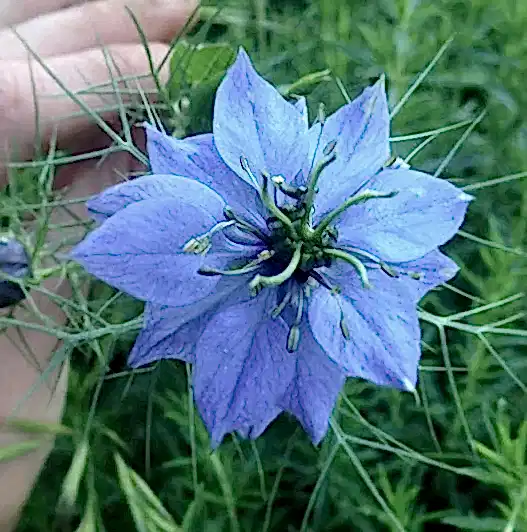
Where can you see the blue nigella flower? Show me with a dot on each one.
(275, 257)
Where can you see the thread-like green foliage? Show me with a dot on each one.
(453, 454)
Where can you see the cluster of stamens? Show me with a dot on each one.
(295, 248)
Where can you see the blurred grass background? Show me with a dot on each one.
(451, 458)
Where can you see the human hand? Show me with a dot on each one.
(67, 35)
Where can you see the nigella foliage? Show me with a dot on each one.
(276, 257)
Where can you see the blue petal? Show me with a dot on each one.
(314, 388)
(384, 334)
(158, 340)
(301, 105)
(424, 214)
(252, 120)
(242, 367)
(172, 332)
(149, 187)
(361, 130)
(433, 269)
(140, 249)
(197, 158)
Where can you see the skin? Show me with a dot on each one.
(68, 34)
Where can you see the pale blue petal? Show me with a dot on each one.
(140, 249)
(197, 158)
(384, 334)
(172, 332)
(159, 341)
(252, 120)
(148, 187)
(242, 367)
(314, 388)
(433, 269)
(301, 106)
(361, 130)
(425, 213)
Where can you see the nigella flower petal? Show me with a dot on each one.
(252, 120)
(241, 368)
(301, 105)
(425, 213)
(432, 270)
(158, 340)
(198, 158)
(361, 131)
(172, 332)
(314, 388)
(383, 340)
(140, 249)
(149, 187)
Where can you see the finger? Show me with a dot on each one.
(15, 11)
(77, 72)
(89, 24)
(25, 355)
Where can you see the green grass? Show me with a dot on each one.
(137, 457)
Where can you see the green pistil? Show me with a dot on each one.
(266, 198)
(354, 200)
(312, 188)
(354, 261)
(261, 281)
(269, 202)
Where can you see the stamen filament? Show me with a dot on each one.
(269, 202)
(247, 169)
(281, 306)
(344, 326)
(244, 224)
(320, 279)
(289, 190)
(261, 281)
(350, 202)
(248, 268)
(293, 338)
(354, 261)
(201, 244)
(388, 270)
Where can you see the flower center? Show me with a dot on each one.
(295, 246)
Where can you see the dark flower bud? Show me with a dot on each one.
(14, 262)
